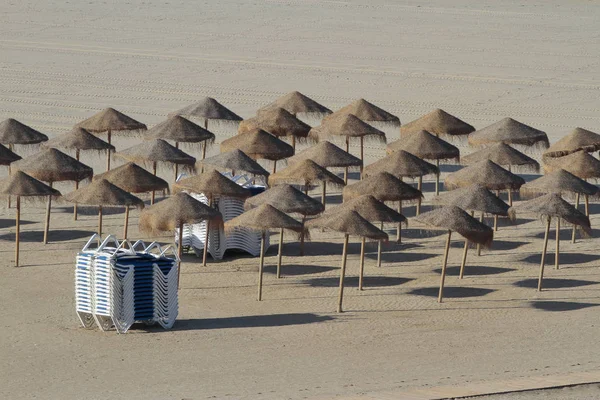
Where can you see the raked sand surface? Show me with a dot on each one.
(534, 61)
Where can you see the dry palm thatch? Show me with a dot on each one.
(367, 112)
(439, 123)
(133, 178)
(157, 151)
(259, 144)
(548, 207)
(111, 120)
(580, 164)
(402, 164)
(211, 184)
(79, 139)
(509, 131)
(298, 104)
(426, 146)
(327, 155)
(104, 194)
(454, 219)
(52, 165)
(486, 173)
(261, 219)
(473, 198)
(15, 132)
(579, 139)
(235, 161)
(180, 130)
(208, 109)
(287, 199)
(22, 185)
(347, 125)
(7, 157)
(348, 222)
(505, 156)
(560, 182)
(384, 187)
(277, 122)
(305, 173)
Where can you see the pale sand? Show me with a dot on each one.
(537, 63)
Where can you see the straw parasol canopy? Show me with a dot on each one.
(486, 173)
(402, 164)
(327, 155)
(79, 139)
(553, 206)
(439, 123)
(52, 165)
(261, 219)
(212, 184)
(208, 109)
(14, 132)
(298, 104)
(7, 156)
(104, 194)
(561, 182)
(259, 144)
(20, 185)
(509, 131)
(133, 179)
(305, 173)
(278, 122)
(367, 112)
(348, 222)
(384, 187)
(503, 155)
(454, 219)
(579, 139)
(180, 130)
(234, 161)
(581, 164)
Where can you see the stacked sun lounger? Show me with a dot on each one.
(118, 284)
(219, 241)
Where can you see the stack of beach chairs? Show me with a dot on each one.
(118, 284)
(218, 241)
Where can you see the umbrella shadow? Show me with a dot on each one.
(10, 223)
(554, 283)
(90, 210)
(565, 234)
(452, 292)
(474, 270)
(53, 236)
(506, 245)
(422, 233)
(560, 305)
(352, 281)
(401, 256)
(250, 321)
(313, 248)
(297, 269)
(564, 259)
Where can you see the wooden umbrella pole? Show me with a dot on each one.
(496, 215)
(587, 205)
(379, 245)
(577, 207)
(279, 253)
(510, 197)
(274, 166)
(109, 139)
(302, 236)
(543, 260)
(464, 259)
(362, 264)
(399, 227)
(441, 293)
(153, 192)
(294, 143)
(342, 274)
(346, 169)
(100, 220)
(205, 251)
(420, 187)
(204, 145)
(10, 148)
(437, 178)
(557, 252)
(18, 229)
(324, 193)
(126, 226)
(260, 267)
(362, 156)
(76, 187)
(180, 252)
(478, 245)
(47, 227)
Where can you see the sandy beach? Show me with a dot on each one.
(481, 61)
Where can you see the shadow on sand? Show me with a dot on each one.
(401, 256)
(352, 281)
(53, 236)
(554, 283)
(560, 305)
(474, 270)
(10, 223)
(296, 269)
(251, 321)
(565, 258)
(452, 292)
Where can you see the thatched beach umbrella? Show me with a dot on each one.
(428, 147)
(235, 161)
(474, 198)
(259, 144)
(262, 219)
(346, 125)
(439, 123)
(548, 207)
(104, 194)
(290, 200)
(509, 131)
(211, 184)
(209, 109)
(181, 130)
(579, 139)
(20, 185)
(384, 187)
(171, 214)
(372, 210)
(298, 105)
(454, 219)
(505, 156)
(79, 139)
(53, 166)
(368, 112)
(157, 151)
(278, 122)
(348, 222)
(110, 120)
(7, 156)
